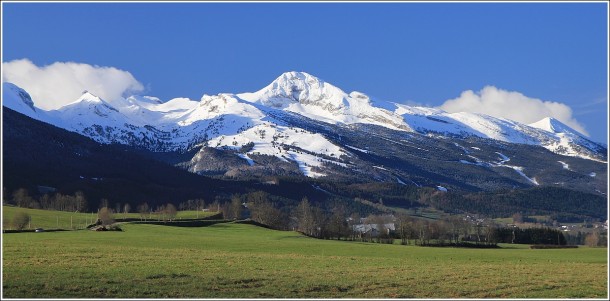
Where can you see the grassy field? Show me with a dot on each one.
(243, 261)
(48, 219)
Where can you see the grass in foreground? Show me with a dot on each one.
(244, 261)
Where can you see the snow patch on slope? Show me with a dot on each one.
(564, 165)
(519, 170)
(245, 157)
(358, 149)
(504, 158)
(305, 148)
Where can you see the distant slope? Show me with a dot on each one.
(232, 121)
(36, 153)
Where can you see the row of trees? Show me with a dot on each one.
(339, 224)
(57, 201)
(333, 223)
(593, 239)
(167, 212)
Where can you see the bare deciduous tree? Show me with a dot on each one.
(81, 201)
(592, 239)
(170, 211)
(103, 203)
(21, 198)
(20, 220)
(305, 217)
(264, 212)
(143, 209)
(405, 225)
(235, 208)
(105, 216)
(337, 225)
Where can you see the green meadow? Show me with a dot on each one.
(231, 260)
(50, 219)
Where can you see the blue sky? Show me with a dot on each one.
(424, 53)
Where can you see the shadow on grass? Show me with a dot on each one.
(183, 223)
(32, 230)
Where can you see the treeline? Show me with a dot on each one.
(567, 205)
(596, 238)
(342, 224)
(57, 201)
(530, 236)
(332, 221)
(165, 212)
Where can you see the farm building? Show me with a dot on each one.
(373, 230)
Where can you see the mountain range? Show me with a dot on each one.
(300, 125)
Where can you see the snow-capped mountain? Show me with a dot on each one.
(309, 126)
(548, 132)
(19, 100)
(565, 140)
(306, 95)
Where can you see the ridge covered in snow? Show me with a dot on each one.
(18, 100)
(257, 119)
(304, 94)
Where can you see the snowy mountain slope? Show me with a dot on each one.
(548, 133)
(304, 94)
(298, 119)
(98, 119)
(566, 141)
(235, 124)
(89, 109)
(18, 100)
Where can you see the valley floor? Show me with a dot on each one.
(244, 261)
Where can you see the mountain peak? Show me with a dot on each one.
(297, 76)
(23, 95)
(89, 97)
(17, 99)
(298, 88)
(551, 125)
(89, 102)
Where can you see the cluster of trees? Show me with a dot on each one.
(338, 220)
(313, 221)
(532, 236)
(454, 230)
(595, 238)
(564, 204)
(233, 209)
(339, 223)
(62, 202)
(192, 204)
(265, 212)
(167, 212)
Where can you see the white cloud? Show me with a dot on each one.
(60, 83)
(511, 105)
